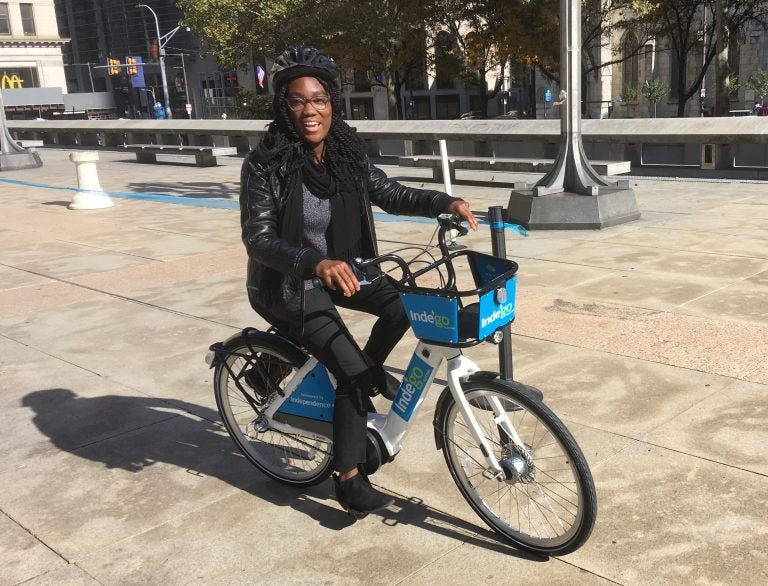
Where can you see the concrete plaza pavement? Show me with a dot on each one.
(649, 339)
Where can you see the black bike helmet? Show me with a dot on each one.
(303, 61)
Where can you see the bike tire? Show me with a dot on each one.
(551, 510)
(249, 376)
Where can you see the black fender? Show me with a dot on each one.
(251, 336)
(445, 398)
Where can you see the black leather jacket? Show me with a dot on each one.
(276, 269)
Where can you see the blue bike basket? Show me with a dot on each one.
(463, 318)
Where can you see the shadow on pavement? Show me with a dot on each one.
(206, 189)
(118, 431)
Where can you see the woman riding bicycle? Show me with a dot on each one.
(305, 200)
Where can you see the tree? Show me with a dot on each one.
(475, 31)
(386, 38)
(655, 90)
(758, 81)
(234, 31)
(689, 27)
(249, 106)
(532, 35)
(603, 18)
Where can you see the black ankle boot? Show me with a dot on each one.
(358, 497)
(384, 383)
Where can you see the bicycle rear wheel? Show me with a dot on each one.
(251, 375)
(545, 500)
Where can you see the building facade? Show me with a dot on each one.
(31, 57)
(747, 53)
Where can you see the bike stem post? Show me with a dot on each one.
(499, 250)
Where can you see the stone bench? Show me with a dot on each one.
(519, 165)
(29, 144)
(205, 156)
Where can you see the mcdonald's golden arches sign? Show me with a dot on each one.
(10, 81)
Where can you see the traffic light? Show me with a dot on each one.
(114, 66)
(132, 67)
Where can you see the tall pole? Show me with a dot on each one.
(703, 89)
(12, 155)
(572, 171)
(572, 194)
(161, 52)
(184, 72)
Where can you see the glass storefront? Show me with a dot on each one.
(18, 77)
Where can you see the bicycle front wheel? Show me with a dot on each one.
(544, 500)
(251, 375)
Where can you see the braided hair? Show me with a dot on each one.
(344, 152)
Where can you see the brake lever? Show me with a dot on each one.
(453, 222)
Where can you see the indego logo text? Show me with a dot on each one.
(502, 312)
(439, 321)
(410, 390)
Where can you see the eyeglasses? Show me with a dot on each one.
(319, 103)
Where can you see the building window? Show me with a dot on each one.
(734, 55)
(362, 81)
(5, 23)
(28, 20)
(674, 68)
(629, 76)
(447, 107)
(18, 77)
(417, 108)
(362, 108)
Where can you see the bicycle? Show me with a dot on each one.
(513, 460)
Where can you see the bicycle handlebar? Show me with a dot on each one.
(446, 222)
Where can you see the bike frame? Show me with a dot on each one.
(310, 394)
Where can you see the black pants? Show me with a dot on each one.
(328, 339)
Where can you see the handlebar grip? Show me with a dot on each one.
(448, 219)
(313, 283)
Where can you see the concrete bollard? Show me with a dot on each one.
(91, 195)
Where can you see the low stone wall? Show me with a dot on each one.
(711, 145)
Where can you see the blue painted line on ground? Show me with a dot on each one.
(158, 197)
(227, 204)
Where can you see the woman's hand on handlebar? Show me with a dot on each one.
(461, 209)
(337, 273)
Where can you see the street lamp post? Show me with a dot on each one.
(187, 95)
(161, 52)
